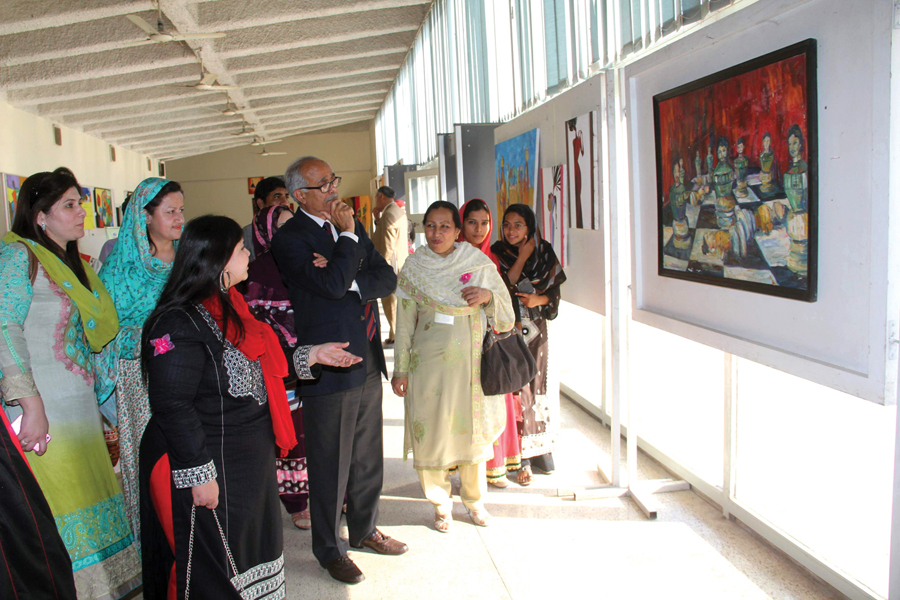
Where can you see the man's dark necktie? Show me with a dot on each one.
(370, 314)
(327, 227)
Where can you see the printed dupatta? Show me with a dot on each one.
(135, 279)
(436, 282)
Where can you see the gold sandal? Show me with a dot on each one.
(443, 522)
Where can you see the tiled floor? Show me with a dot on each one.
(544, 547)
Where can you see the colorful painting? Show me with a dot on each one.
(11, 184)
(87, 203)
(583, 159)
(362, 210)
(103, 207)
(737, 176)
(251, 184)
(553, 211)
(516, 171)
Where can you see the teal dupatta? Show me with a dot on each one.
(135, 279)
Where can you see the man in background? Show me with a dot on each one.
(390, 239)
(269, 192)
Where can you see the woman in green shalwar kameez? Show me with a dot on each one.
(52, 317)
(448, 292)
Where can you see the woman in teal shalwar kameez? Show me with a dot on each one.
(135, 273)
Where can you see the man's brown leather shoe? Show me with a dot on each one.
(383, 544)
(344, 569)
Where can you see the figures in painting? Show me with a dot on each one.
(795, 188)
(741, 163)
(501, 184)
(577, 151)
(677, 202)
(767, 165)
(723, 178)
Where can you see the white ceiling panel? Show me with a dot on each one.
(292, 66)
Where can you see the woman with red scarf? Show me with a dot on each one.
(210, 519)
(477, 227)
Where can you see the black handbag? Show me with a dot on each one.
(506, 364)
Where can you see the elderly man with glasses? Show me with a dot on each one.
(342, 408)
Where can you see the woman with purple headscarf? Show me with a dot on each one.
(268, 299)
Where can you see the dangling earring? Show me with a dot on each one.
(222, 284)
(43, 227)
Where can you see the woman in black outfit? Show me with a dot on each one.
(210, 516)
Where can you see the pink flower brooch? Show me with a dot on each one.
(465, 277)
(162, 345)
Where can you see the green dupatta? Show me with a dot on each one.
(98, 314)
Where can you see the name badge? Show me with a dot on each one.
(443, 319)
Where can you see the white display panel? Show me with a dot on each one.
(841, 340)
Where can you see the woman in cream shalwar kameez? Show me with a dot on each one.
(449, 422)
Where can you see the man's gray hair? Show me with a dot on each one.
(294, 178)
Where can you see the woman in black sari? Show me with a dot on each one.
(533, 274)
(209, 499)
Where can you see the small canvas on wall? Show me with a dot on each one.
(11, 184)
(516, 172)
(582, 157)
(736, 167)
(87, 203)
(553, 211)
(103, 207)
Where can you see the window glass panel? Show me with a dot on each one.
(667, 14)
(798, 443)
(690, 10)
(636, 25)
(717, 4)
(555, 41)
(625, 26)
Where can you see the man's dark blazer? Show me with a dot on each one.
(324, 309)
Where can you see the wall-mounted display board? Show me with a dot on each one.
(744, 215)
(843, 339)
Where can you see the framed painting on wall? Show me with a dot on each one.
(737, 176)
(515, 168)
(251, 184)
(583, 159)
(11, 186)
(103, 207)
(87, 203)
(553, 211)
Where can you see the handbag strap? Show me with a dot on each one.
(187, 584)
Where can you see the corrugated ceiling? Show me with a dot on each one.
(295, 66)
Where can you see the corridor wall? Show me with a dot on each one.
(27, 146)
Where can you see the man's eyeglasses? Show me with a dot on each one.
(330, 185)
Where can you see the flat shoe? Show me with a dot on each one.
(524, 477)
(302, 519)
(480, 517)
(382, 544)
(499, 483)
(443, 522)
(345, 570)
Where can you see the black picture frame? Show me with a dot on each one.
(749, 248)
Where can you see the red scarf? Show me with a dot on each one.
(260, 342)
(485, 245)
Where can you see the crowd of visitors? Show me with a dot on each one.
(242, 369)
